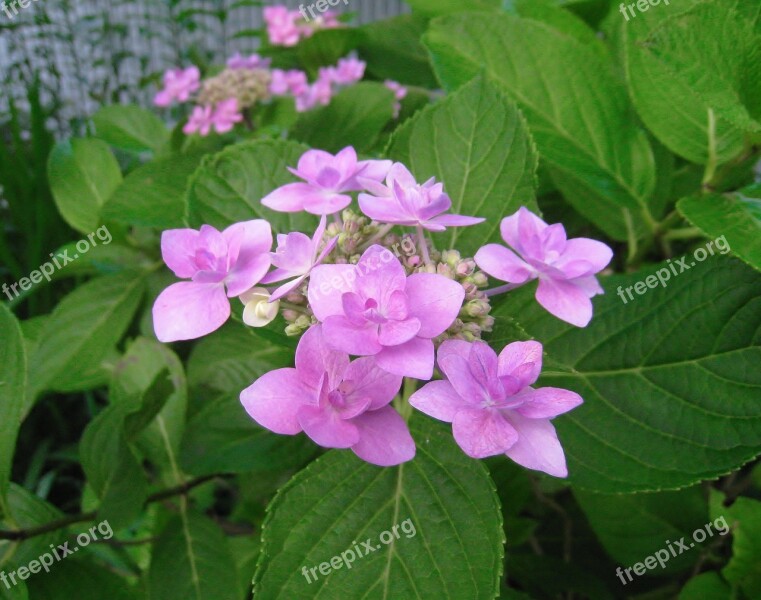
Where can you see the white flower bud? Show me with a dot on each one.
(259, 311)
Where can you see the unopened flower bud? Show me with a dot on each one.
(480, 279)
(259, 311)
(465, 267)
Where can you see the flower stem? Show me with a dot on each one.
(502, 289)
(423, 244)
(401, 402)
(378, 236)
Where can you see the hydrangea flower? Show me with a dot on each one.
(319, 93)
(337, 403)
(565, 268)
(282, 25)
(293, 82)
(374, 309)
(254, 61)
(403, 201)
(296, 256)
(221, 118)
(400, 93)
(492, 406)
(328, 179)
(347, 72)
(179, 84)
(236, 258)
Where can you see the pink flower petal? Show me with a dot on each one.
(438, 399)
(509, 228)
(411, 359)
(381, 209)
(457, 347)
(286, 288)
(246, 275)
(326, 203)
(327, 285)
(178, 248)
(522, 361)
(457, 370)
(595, 253)
(360, 340)
(370, 381)
(565, 300)
(274, 399)
(189, 310)
(314, 358)
(384, 438)
(380, 274)
(456, 220)
(538, 446)
(435, 300)
(290, 197)
(393, 333)
(327, 428)
(503, 264)
(548, 402)
(482, 432)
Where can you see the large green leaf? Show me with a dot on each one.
(477, 142)
(392, 50)
(192, 561)
(130, 128)
(82, 331)
(83, 174)
(444, 7)
(355, 117)
(670, 106)
(651, 519)
(222, 438)
(735, 216)
(443, 506)
(13, 389)
(82, 580)
(716, 50)
(227, 187)
(153, 195)
(669, 380)
(578, 112)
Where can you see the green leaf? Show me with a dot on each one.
(599, 158)
(229, 359)
(227, 187)
(445, 7)
(112, 469)
(736, 217)
(706, 586)
(130, 128)
(548, 11)
(16, 592)
(324, 48)
(83, 174)
(355, 117)
(670, 106)
(27, 511)
(13, 389)
(744, 519)
(81, 580)
(222, 438)
(392, 50)
(668, 380)
(715, 50)
(477, 142)
(651, 519)
(83, 330)
(192, 561)
(442, 503)
(153, 195)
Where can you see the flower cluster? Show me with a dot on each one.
(375, 302)
(288, 27)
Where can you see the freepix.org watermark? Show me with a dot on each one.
(359, 550)
(60, 260)
(320, 5)
(640, 5)
(14, 6)
(662, 275)
(673, 549)
(57, 554)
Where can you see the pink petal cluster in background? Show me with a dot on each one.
(565, 268)
(329, 81)
(287, 27)
(179, 84)
(222, 118)
(400, 93)
(254, 61)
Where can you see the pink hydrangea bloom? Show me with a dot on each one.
(292, 82)
(337, 403)
(403, 201)
(254, 61)
(319, 93)
(179, 84)
(201, 121)
(347, 72)
(236, 258)
(492, 406)
(328, 179)
(296, 256)
(226, 115)
(565, 268)
(400, 93)
(282, 25)
(374, 309)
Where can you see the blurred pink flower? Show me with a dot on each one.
(337, 403)
(347, 72)
(293, 82)
(236, 258)
(373, 309)
(328, 179)
(400, 93)
(226, 115)
(492, 406)
(565, 268)
(296, 256)
(282, 25)
(319, 93)
(179, 84)
(201, 121)
(254, 61)
(403, 201)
